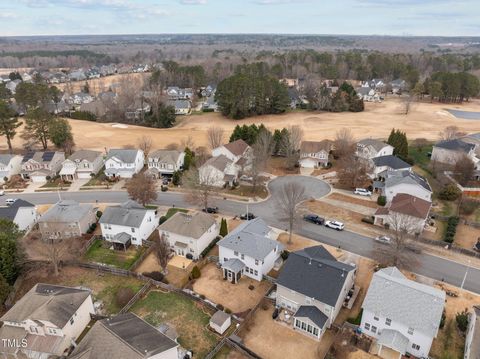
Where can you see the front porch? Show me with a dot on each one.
(232, 270)
(68, 174)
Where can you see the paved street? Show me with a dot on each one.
(430, 266)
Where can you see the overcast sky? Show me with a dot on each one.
(358, 17)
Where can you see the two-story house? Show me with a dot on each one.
(123, 163)
(401, 314)
(22, 213)
(249, 250)
(129, 223)
(9, 165)
(315, 154)
(37, 166)
(406, 182)
(314, 285)
(450, 151)
(218, 172)
(125, 336)
(45, 322)
(66, 219)
(165, 162)
(239, 152)
(472, 337)
(370, 148)
(189, 233)
(82, 164)
(383, 164)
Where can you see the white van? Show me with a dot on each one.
(10, 201)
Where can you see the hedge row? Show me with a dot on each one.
(451, 230)
(210, 246)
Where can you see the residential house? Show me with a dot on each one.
(385, 164)
(165, 162)
(22, 213)
(182, 107)
(315, 154)
(406, 182)
(46, 322)
(37, 166)
(210, 104)
(66, 219)
(140, 68)
(370, 148)
(129, 223)
(9, 165)
(450, 151)
(376, 84)
(208, 91)
(137, 109)
(176, 93)
(77, 75)
(314, 286)
(472, 338)
(80, 98)
(404, 213)
(96, 108)
(107, 70)
(189, 233)
(295, 99)
(249, 250)
(238, 151)
(367, 94)
(398, 86)
(92, 73)
(220, 321)
(401, 315)
(123, 163)
(12, 86)
(82, 164)
(125, 336)
(219, 172)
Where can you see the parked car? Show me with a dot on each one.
(362, 192)
(313, 218)
(339, 226)
(2, 192)
(248, 216)
(10, 201)
(383, 239)
(210, 210)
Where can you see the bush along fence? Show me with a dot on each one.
(451, 229)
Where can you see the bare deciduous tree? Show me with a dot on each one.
(464, 170)
(215, 136)
(290, 196)
(451, 133)
(142, 188)
(161, 249)
(290, 145)
(344, 143)
(187, 142)
(145, 143)
(261, 150)
(408, 102)
(172, 146)
(352, 171)
(201, 186)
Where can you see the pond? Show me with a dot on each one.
(466, 115)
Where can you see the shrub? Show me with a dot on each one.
(223, 228)
(462, 320)
(210, 246)
(207, 109)
(451, 229)
(196, 272)
(469, 206)
(83, 115)
(202, 296)
(356, 320)
(264, 305)
(164, 188)
(450, 192)
(176, 178)
(369, 220)
(162, 219)
(99, 214)
(123, 296)
(220, 307)
(228, 311)
(382, 200)
(285, 255)
(155, 275)
(251, 287)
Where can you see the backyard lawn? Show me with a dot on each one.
(172, 211)
(189, 319)
(99, 252)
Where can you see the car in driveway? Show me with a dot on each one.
(210, 210)
(248, 216)
(10, 201)
(362, 192)
(383, 239)
(313, 218)
(339, 226)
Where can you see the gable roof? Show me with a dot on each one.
(376, 144)
(5, 159)
(237, 147)
(192, 225)
(220, 162)
(165, 156)
(410, 205)
(391, 161)
(315, 146)
(313, 313)
(87, 155)
(47, 302)
(66, 211)
(416, 305)
(124, 155)
(397, 177)
(250, 238)
(41, 157)
(10, 212)
(456, 145)
(219, 318)
(129, 214)
(315, 273)
(125, 336)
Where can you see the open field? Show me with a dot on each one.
(425, 120)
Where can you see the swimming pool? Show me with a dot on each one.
(466, 115)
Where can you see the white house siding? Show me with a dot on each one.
(411, 189)
(221, 329)
(443, 155)
(139, 234)
(370, 152)
(414, 224)
(26, 217)
(167, 168)
(167, 354)
(126, 170)
(418, 338)
(380, 169)
(12, 168)
(223, 151)
(212, 176)
(80, 319)
(301, 324)
(195, 246)
(39, 178)
(469, 335)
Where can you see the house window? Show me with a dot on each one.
(375, 318)
(388, 321)
(133, 230)
(415, 346)
(367, 326)
(410, 331)
(235, 253)
(242, 256)
(374, 329)
(33, 329)
(315, 331)
(256, 272)
(309, 328)
(304, 326)
(297, 323)
(71, 321)
(256, 262)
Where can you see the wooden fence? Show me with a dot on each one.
(136, 297)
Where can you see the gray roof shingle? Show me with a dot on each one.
(5, 159)
(456, 145)
(66, 211)
(314, 272)
(10, 212)
(391, 161)
(192, 225)
(397, 177)
(129, 214)
(415, 305)
(124, 155)
(313, 313)
(87, 155)
(376, 144)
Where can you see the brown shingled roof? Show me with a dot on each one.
(315, 146)
(410, 205)
(237, 147)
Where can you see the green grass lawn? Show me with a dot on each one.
(172, 211)
(247, 191)
(188, 318)
(99, 179)
(99, 253)
(419, 155)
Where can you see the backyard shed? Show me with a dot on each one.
(220, 321)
